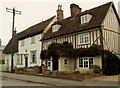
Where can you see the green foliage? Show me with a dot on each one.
(50, 72)
(96, 68)
(76, 72)
(43, 54)
(112, 64)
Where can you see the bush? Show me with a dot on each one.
(112, 64)
(96, 68)
(76, 72)
(50, 72)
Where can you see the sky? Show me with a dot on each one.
(36, 11)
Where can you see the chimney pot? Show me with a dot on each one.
(60, 13)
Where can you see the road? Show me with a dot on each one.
(13, 82)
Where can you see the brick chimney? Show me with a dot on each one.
(75, 9)
(60, 13)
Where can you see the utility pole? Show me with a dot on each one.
(102, 51)
(12, 52)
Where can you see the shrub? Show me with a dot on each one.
(50, 72)
(96, 68)
(112, 64)
(76, 72)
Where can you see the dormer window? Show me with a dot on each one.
(55, 28)
(85, 18)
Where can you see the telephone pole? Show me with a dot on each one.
(12, 52)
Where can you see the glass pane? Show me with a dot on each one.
(85, 64)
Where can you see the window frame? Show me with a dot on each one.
(22, 42)
(32, 39)
(84, 60)
(20, 59)
(33, 60)
(65, 62)
(84, 38)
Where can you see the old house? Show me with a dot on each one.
(99, 25)
(11, 50)
(29, 46)
(26, 46)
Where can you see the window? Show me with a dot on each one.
(55, 28)
(49, 64)
(84, 38)
(7, 62)
(33, 56)
(32, 39)
(20, 59)
(85, 62)
(22, 42)
(65, 62)
(85, 18)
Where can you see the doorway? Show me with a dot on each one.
(26, 61)
(55, 63)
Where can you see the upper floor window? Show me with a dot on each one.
(84, 38)
(32, 39)
(55, 28)
(22, 42)
(85, 18)
(33, 56)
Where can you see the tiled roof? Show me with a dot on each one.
(73, 25)
(12, 46)
(35, 29)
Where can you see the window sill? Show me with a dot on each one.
(33, 43)
(83, 43)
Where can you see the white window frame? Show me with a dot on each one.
(84, 38)
(85, 59)
(33, 56)
(20, 59)
(65, 62)
(55, 28)
(48, 63)
(22, 42)
(32, 39)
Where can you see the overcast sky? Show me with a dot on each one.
(34, 11)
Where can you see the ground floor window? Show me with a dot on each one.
(65, 62)
(49, 64)
(20, 59)
(33, 56)
(85, 62)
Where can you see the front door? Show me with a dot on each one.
(26, 61)
(55, 63)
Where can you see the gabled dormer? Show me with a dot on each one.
(85, 18)
(55, 27)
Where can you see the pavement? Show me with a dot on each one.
(104, 80)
